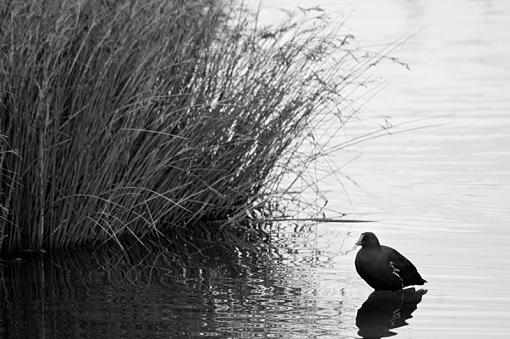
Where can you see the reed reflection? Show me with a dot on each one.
(141, 292)
(108, 293)
(384, 311)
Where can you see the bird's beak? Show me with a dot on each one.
(358, 243)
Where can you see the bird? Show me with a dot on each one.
(382, 267)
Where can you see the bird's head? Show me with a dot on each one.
(368, 239)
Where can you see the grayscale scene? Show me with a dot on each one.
(254, 169)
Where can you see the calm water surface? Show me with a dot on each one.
(439, 195)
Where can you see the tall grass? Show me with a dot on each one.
(173, 119)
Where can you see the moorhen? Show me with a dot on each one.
(383, 267)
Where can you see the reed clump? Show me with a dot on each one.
(172, 119)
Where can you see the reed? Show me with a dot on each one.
(172, 119)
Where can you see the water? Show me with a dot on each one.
(439, 195)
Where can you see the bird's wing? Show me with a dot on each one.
(402, 266)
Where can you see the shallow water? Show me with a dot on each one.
(438, 194)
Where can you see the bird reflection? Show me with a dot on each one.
(385, 310)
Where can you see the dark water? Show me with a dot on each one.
(439, 195)
(107, 295)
